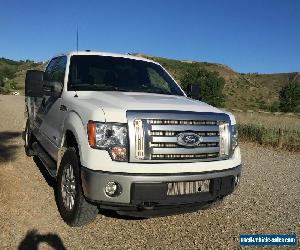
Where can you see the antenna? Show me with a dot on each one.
(77, 38)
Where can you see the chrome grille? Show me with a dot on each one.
(139, 139)
(181, 122)
(183, 156)
(173, 133)
(164, 144)
(175, 145)
(156, 140)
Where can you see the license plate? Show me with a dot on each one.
(188, 187)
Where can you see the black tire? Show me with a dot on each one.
(82, 212)
(28, 139)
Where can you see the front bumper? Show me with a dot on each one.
(149, 190)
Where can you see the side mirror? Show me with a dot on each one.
(194, 91)
(52, 89)
(34, 83)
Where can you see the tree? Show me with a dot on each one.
(289, 97)
(210, 84)
(6, 72)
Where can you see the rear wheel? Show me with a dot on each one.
(73, 207)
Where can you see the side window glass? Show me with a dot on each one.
(58, 73)
(48, 71)
(56, 70)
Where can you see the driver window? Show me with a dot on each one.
(55, 71)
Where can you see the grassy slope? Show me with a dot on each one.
(20, 68)
(243, 91)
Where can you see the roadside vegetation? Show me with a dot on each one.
(289, 97)
(210, 84)
(275, 129)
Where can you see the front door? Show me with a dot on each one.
(50, 114)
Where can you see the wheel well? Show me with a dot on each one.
(70, 140)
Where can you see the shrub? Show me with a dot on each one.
(288, 139)
(289, 97)
(210, 83)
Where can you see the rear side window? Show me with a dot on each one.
(55, 71)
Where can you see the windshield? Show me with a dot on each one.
(106, 73)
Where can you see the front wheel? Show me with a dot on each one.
(73, 207)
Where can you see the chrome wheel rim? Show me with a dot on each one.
(68, 190)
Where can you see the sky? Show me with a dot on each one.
(249, 36)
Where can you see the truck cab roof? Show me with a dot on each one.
(99, 53)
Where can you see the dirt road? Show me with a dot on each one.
(267, 201)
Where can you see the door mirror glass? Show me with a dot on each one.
(53, 89)
(34, 83)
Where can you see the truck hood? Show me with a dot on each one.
(115, 104)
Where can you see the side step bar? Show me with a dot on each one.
(48, 162)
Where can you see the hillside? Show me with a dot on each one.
(12, 74)
(243, 91)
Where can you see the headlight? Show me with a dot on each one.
(112, 137)
(224, 139)
(228, 139)
(234, 137)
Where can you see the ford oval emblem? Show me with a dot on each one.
(189, 139)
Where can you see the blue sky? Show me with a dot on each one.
(249, 36)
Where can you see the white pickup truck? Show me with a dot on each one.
(117, 132)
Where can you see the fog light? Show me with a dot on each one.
(118, 153)
(112, 189)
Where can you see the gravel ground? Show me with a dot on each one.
(267, 201)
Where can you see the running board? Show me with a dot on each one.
(47, 161)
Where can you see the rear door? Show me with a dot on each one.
(50, 115)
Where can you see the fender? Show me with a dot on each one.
(73, 123)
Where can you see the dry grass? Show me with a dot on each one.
(269, 120)
(277, 130)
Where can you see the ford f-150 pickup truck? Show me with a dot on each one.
(117, 132)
